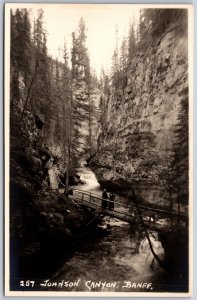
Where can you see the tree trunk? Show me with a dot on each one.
(146, 232)
(29, 90)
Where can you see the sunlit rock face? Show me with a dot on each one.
(141, 119)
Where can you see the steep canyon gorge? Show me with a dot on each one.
(139, 132)
(130, 128)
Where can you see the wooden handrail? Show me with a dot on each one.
(122, 215)
(100, 198)
(131, 205)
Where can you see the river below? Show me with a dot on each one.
(113, 257)
(116, 257)
(118, 254)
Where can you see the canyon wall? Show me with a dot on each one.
(139, 133)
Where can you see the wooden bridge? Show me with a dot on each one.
(151, 218)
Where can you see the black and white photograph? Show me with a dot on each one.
(98, 151)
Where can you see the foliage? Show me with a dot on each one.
(83, 107)
(45, 91)
(54, 105)
(152, 24)
(171, 167)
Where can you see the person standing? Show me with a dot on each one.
(111, 201)
(104, 200)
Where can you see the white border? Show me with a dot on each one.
(8, 6)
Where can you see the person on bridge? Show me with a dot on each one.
(111, 201)
(104, 200)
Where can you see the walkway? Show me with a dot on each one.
(152, 218)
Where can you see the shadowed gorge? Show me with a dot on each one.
(99, 164)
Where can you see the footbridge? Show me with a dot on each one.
(151, 218)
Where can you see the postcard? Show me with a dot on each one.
(98, 150)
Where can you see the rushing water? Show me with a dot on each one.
(116, 257)
(89, 177)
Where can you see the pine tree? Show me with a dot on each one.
(175, 165)
(131, 43)
(123, 56)
(41, 99)
(143, 33)
(81, 89)
(181, 156)
(67, 116)
(21, 53)
(104, 98)
(58, 106)
(115, 70)
(14, 72)
(20, 74)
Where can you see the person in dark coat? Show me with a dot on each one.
(104, 200)
(111, 202)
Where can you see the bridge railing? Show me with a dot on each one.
(89, 197)
(121, 210)
(128, 210)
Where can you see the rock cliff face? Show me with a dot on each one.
(142, 114)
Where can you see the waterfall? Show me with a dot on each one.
(89, 177)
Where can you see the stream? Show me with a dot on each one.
(116, 257)
(113, 257)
